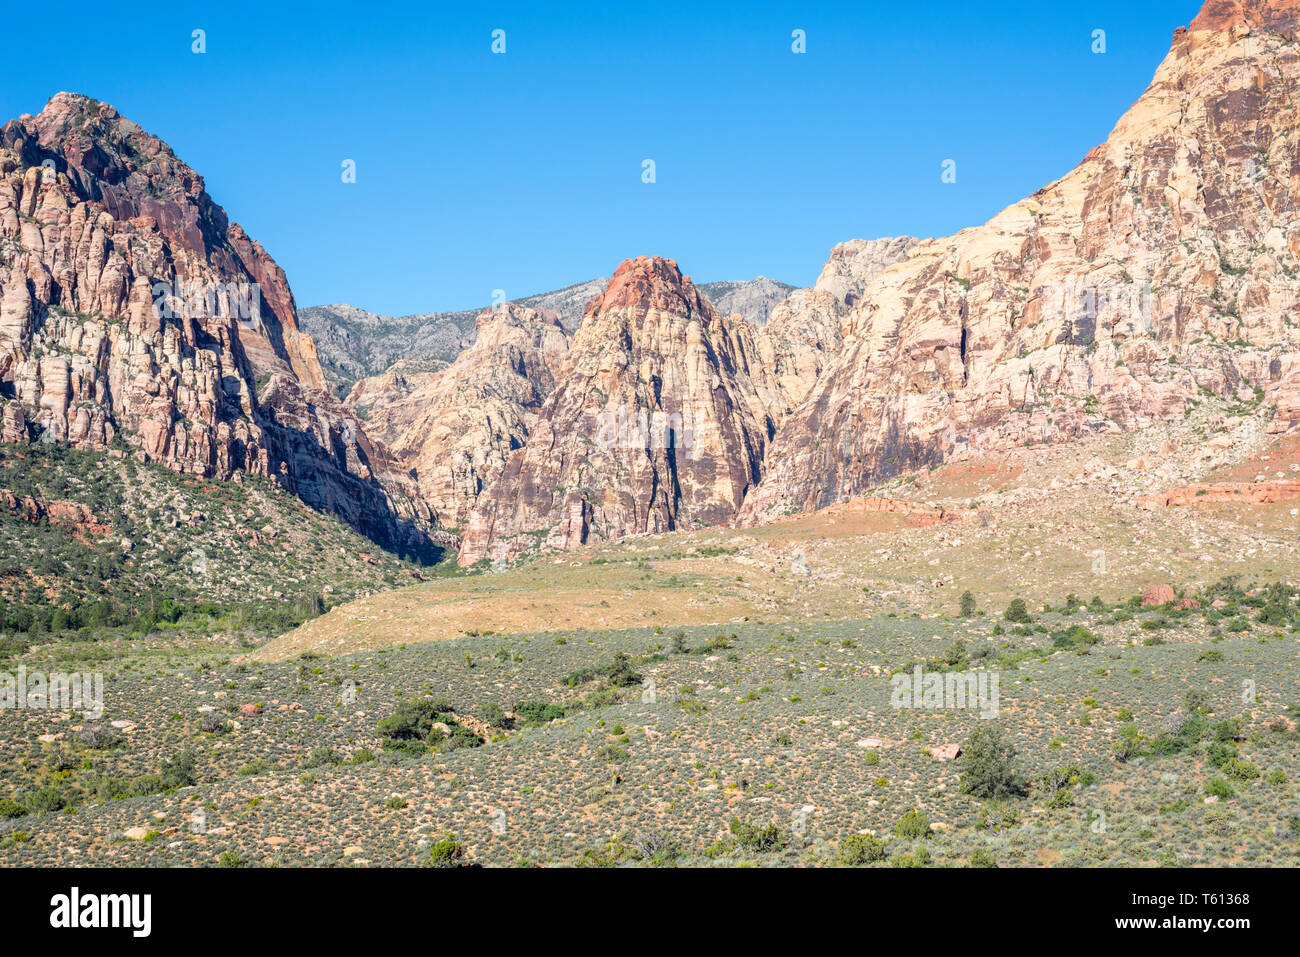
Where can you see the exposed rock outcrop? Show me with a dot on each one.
(132, 309)
(753, 300)
(1237, 493)
(455, 427)
(785, 357)
(58, 512)
(1161, 268)
(355, 344)
(650, 428)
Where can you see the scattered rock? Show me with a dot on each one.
(1158, 595)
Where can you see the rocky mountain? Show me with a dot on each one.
(453, 428)
(353, 344)
(786, 355)
(134, 315)
(651, 426)
(752, 300)
(1160, 269)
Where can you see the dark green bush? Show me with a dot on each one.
(861, 849)
(988, 765)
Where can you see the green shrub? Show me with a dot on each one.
(178, 772)
(1219, 754)
(1017, 611)
(861, 849)
(447, 852)
(988, 766)
(1239, 770)
(756, 838)
(321, 757)
(493, 714)
(413, 719)
(46, 800)
(1218, 787)
(538, 712)
(913, 825)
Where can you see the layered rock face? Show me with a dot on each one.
(651, 426)
(455, 427)
(785, 357)
(132, 309)
(1162, 267)
(355, 344)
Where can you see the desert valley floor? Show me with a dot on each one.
(722, 697)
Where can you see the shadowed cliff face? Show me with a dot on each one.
(650, 427)
(132, 310)
(1164, 266)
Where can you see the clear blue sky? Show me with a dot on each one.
(522, 171)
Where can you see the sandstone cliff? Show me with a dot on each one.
(651, 426)
(1163, 267)
(355, 344)
(454, 428)
(132, 310)
(785, 357)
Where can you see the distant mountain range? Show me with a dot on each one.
(354, 344)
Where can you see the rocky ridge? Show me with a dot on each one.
(1161, 269)
(355, 344)
(651, 426)
(454, 428)
(134, 313)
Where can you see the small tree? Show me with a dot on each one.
(447, 852)
(988, 765)
(179, 771)
(493, 714)
(1017, 612)
(967, 604)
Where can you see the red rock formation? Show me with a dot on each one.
(1158, 595)
(1277, 16)
(131, 308)
(651, 427)
(58, 512)
(1247, 493)
(917, 513)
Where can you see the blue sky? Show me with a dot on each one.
(523, 171)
